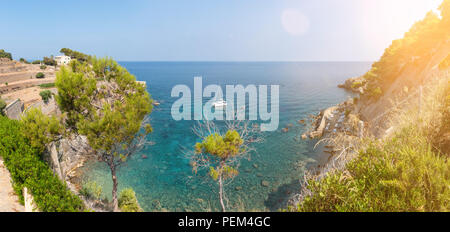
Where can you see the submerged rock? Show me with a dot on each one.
(265, 183)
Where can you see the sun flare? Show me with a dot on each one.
(294, 22)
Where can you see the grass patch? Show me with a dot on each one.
(47, 85)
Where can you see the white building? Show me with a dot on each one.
(62, 60)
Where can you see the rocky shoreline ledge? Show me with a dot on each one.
(354, 84)
(342, 118)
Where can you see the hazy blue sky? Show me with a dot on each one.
(209, 30)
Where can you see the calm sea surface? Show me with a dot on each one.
(165, 181)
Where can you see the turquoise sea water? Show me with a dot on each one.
(165, 181)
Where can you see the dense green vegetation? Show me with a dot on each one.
(40, 75)
(414, 49)
(408, 172)
(2, 106)
(40, 129)
(29, 170)
(46, 95)
(49, 61)
(92, 190)
(402, 175)
(103, 101)
(36, 62)
(75, 55)
(4, 54)
(128, 201)
(441, 137)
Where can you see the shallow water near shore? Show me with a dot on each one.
(165, 181)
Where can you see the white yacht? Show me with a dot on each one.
(219, 104)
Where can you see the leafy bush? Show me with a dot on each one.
(4, 54)
(128, 201)
(46, 95)
(43, 67)
(36, 62)
(402, 175)
(49, 61)
(23, 61)
(2, 106)
(441, 137)
(39, 129)
(92, 190)
(29, 170)
(40, 75)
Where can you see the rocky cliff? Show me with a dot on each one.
(66, 156)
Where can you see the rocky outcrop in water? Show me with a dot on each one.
(355, 85)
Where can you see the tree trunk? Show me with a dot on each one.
(221, 193)
(114, 190)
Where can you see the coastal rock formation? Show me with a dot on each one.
(66, 156)
(355, 84)
(342, 118)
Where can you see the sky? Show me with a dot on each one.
(209, 30)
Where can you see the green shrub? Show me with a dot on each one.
(49, 61)
(40, 75)
(23, 61)
(441, 136)
(401, 175)
(46, 95)
(47, 85)
(356, 84)
(27, 169)
(2, 106)
(36, 62)
(4, 54)
(91, 190)
(43, 67)
(40, 129)
(375, 92)
(128, 201)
